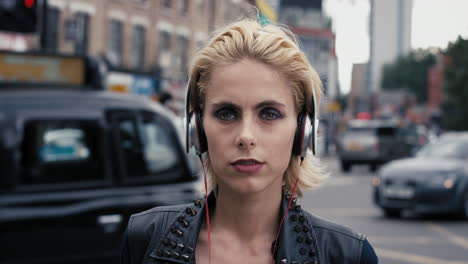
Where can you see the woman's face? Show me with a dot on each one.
(249, 120)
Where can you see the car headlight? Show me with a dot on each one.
(446, 180)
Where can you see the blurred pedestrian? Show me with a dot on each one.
(251, 116)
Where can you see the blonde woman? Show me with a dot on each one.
(252, 117)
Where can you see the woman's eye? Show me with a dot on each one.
(270, 114)
(225, 114)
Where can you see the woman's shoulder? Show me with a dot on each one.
(146, 220)
(328, 227)
(142, 230)
(348, 244)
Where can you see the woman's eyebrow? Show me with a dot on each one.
(225, 104)
(269, 103)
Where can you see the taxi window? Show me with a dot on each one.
(60, 151)
(146, 145)
(159, 151)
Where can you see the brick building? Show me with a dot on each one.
(140, 35)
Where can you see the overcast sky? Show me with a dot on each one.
(434, 24)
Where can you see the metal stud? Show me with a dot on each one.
(297, 208)
(165, 242)
(294, 262)
(198, 203)
(302, 218)
(167, 253)
(160, 253)
(173, 244)
(300, 239)
(175, 255)
(305, 229)
(293, 218)
(190, 249)
(284, 261)
(297, 229)
(179, 233)
(308, 240)
(180, 246)
(312, 253)
(302, 251)
(185, 258)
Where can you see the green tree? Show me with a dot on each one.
(455, 107)
(409, 73)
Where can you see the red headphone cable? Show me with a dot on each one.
(273, 250)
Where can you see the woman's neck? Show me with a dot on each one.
(247, 217)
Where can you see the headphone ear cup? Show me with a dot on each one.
(305, 135)
(203, 144)
(298, 136)
(195, 133)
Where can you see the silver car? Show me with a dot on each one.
(371, 142)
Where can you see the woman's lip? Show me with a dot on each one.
(251, 168)
(241, 161)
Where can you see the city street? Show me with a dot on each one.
(346, 199)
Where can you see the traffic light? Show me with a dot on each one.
(19, 16)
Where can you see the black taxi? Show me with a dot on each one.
(75, 163)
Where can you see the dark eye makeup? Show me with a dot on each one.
(231, 112)
(270, 113)
(226, 114)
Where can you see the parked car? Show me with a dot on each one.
(435, 181)
(74, 165)
(371, 142)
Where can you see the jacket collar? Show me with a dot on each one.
(297, 242)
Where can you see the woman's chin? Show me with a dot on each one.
(249, 186)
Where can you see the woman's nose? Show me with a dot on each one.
(246, 138)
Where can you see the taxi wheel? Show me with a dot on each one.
(392, 213)
(345, 166)
(465, 206)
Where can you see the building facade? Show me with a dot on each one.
(307, 19)
(390, 36)
(153, 36)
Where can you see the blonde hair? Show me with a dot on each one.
(277, 47)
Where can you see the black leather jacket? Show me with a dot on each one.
(169, 234)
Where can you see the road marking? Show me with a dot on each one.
(412, 258)
(451, 237)
(346, 211)
(412, 240)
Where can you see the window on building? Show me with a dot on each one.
(182, 46)
(51, 35)
(184, 8)
(61, 151)
(115, 42)
(81, 34)
(138, 47)
(167, 4)
(164, 41)
(201, 7)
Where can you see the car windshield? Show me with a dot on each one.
(360, 131)
(450, 148)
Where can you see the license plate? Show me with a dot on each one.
(400, 192)
(354, 147)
